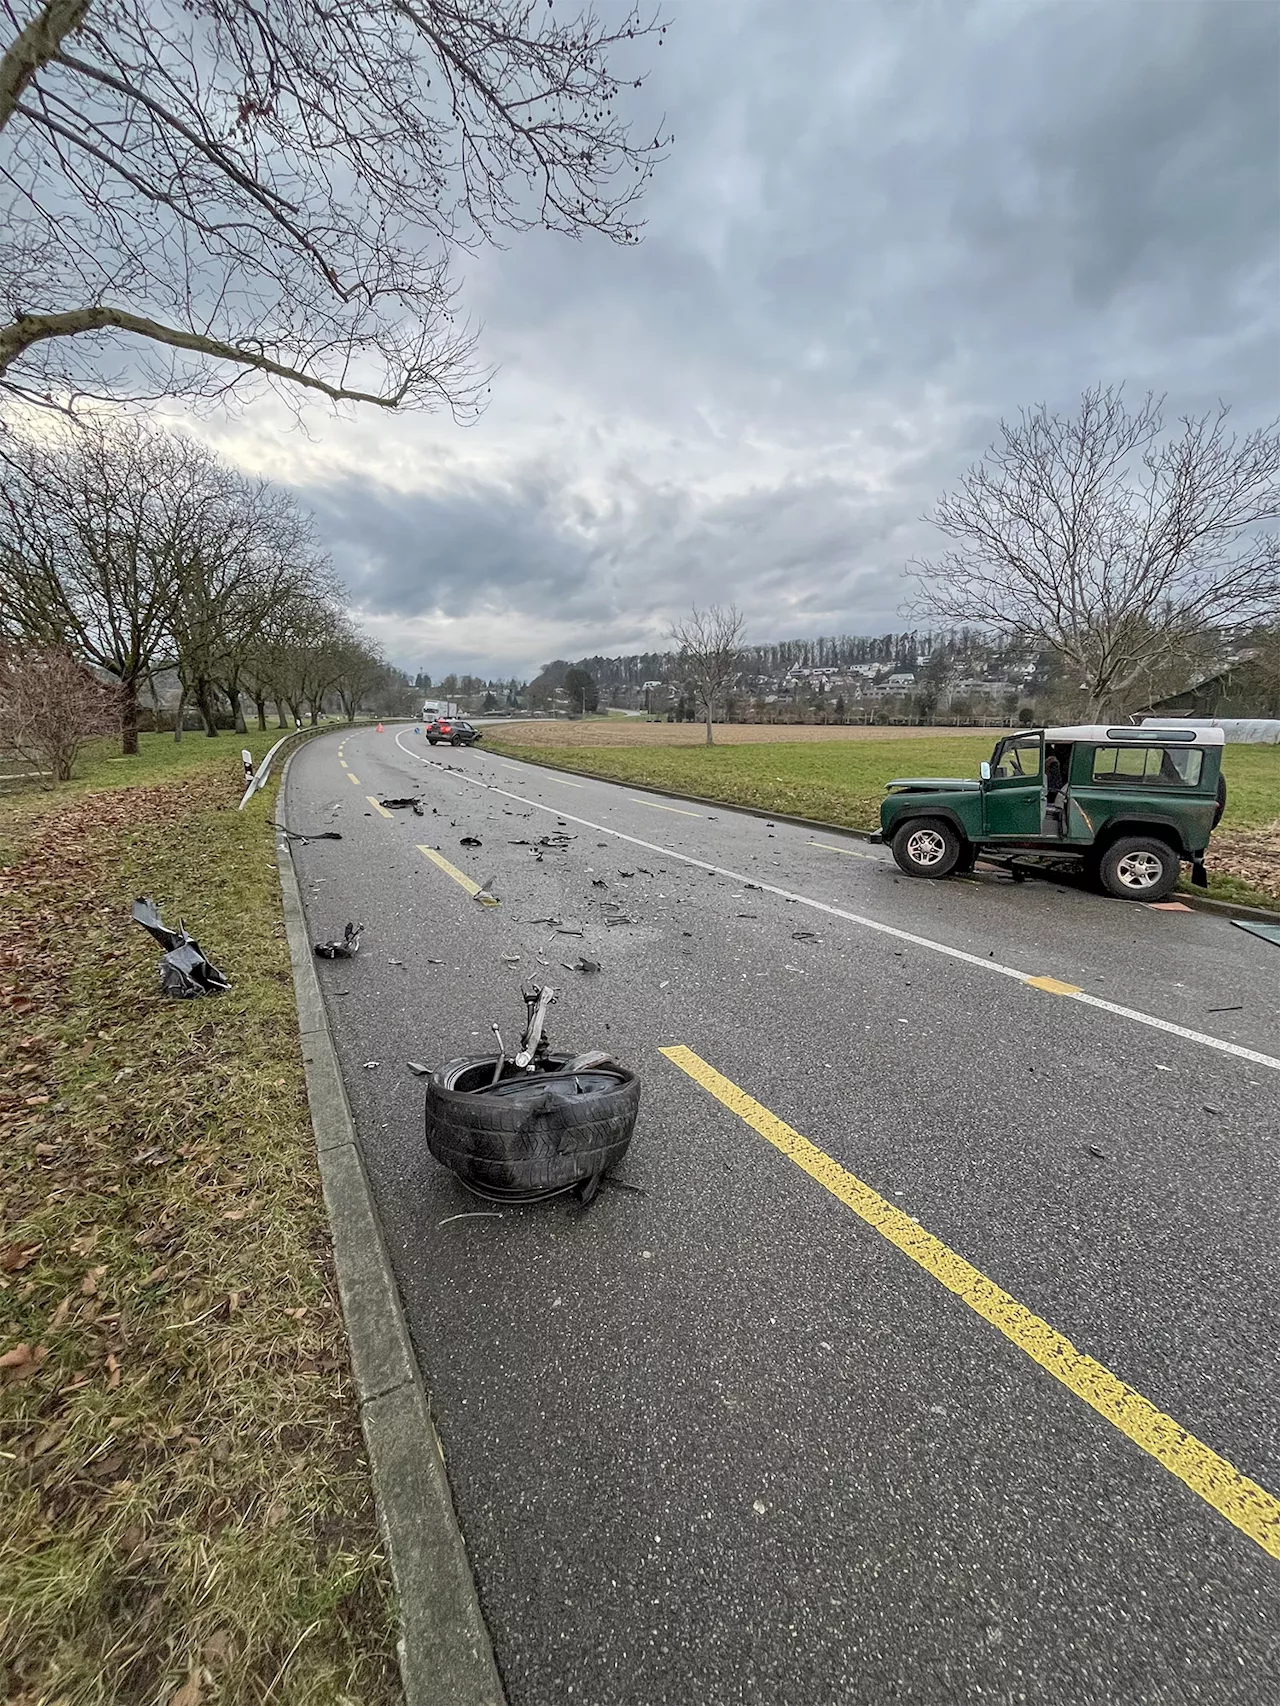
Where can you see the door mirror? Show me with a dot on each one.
(984, 770)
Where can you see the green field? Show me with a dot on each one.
(842, 782)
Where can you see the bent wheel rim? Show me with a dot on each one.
(926, 847)
(1140, 870)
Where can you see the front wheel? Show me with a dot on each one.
(927, 847)
(1139, 867)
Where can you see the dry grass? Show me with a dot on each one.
(188, 1516)
(633, 731)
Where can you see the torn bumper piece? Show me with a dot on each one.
(184, 970)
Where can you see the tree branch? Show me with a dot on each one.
(28, 329)
(34, 47)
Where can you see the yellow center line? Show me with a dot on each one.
(459, 877)
(1253, 1510)
(352, 777)
(377, 806)
(1054, 985)
(342, 761)
(657, 808)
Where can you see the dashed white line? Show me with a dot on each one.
(1255, 1056)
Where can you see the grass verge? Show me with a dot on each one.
(842, 781)
(188, 1515)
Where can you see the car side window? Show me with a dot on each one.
(1018, 758)
(1148, 766)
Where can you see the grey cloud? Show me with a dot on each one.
(881, 227)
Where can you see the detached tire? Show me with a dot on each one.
(1139, 867)
(926, 847)
(535, 1134)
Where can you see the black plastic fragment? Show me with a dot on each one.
(184, 971)
(346, 949)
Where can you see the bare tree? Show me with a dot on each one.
(279, 190)
(360, 669)
(89, 521)
(50, 704)
(1120, 549)
(710, 645)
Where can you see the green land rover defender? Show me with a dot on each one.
(1129, 804)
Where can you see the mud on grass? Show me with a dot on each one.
(188, 1516)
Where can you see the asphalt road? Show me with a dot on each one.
(718, 1440)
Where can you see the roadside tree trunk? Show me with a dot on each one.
(179, 713)
(282, 719)
(129, 718)
(204, 701)
(261, 706)
(709, 736)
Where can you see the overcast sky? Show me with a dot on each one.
(881, 226)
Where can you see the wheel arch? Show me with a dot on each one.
(1140, 823)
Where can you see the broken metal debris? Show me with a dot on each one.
(184, 970)
(346, 949)
(470, 841)
(411, 802)
(306, 835)
(418, 1069)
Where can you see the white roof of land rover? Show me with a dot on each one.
(1111, 734)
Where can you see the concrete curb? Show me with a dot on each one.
(1197, 902)
(446, 1657)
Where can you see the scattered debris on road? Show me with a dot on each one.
(471, 841)
(1239, 1009)
(184, 971)
(411, 802)
(418, 1069)
(346, 949)
(305, 836)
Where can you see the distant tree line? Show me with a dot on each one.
(139, 554)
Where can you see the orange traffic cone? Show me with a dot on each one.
(379, 728)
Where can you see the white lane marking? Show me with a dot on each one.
(1202, 1037)
(849, 852)
(653, 804)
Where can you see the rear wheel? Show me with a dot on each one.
(1139, 867)
(927, 847)
(433, 740)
